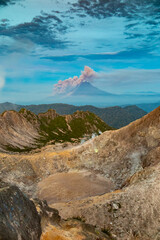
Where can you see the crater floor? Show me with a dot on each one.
(65, 187)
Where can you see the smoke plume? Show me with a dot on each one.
(88, 75)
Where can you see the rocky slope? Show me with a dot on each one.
(18, 216)
(128, 159)
(23, 131)
(23, 219)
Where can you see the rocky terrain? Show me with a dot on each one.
(18, 215)
(24, 130)
(25, 219)
(123, 165)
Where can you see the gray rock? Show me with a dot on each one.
(19, 219)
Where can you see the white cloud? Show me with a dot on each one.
(130, 80)
(130, 76)
(2, 79)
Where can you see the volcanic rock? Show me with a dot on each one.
(19, 219)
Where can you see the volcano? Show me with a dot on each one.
(87, 89)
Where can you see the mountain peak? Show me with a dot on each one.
(86, 88)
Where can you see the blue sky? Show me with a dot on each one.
(42, 42)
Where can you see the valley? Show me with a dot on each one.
(104, 181)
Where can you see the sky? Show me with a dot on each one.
(45, 41)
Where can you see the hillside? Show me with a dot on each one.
(148, 107)
(24, 130)
(116, 117)
(122, 166)
(22, 218)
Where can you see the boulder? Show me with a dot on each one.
(19, 219)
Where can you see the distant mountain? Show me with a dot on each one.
(148, 107)
(9, 106)
(84, 93)
(116, 117)
(24, 130)
(87, 94)
(87, 89)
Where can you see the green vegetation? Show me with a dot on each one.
(54, 128)
(13, 149)
(79, 125)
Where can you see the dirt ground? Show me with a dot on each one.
(64, 187)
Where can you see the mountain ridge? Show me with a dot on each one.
(148, 107)
(24, 130)
(116, 117)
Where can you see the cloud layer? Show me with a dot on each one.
(50, 38)
(120, 8)
(6, 2)
(141, 21)
(66, 86)
(42, 30)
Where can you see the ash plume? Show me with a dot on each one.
(88, 75)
